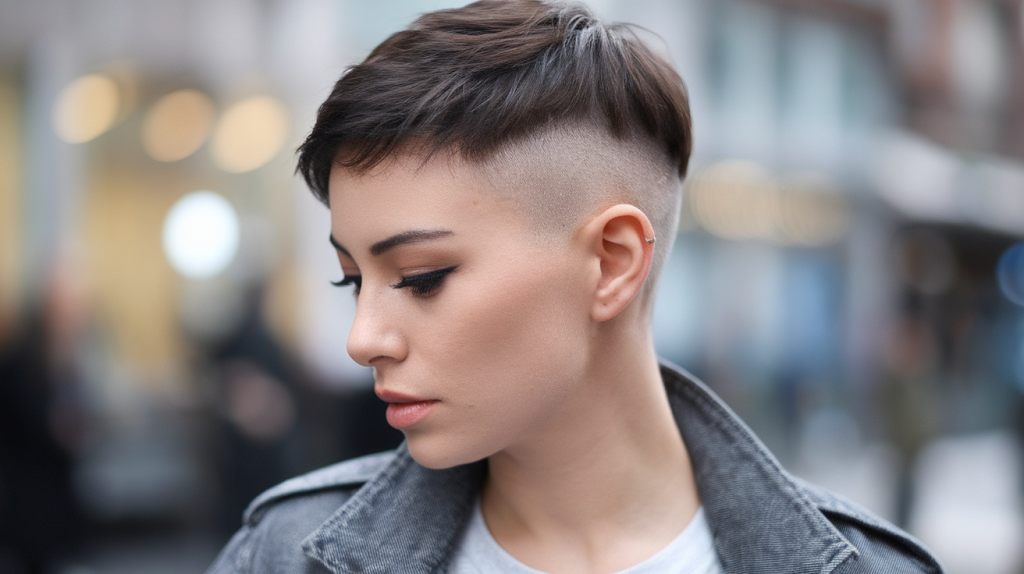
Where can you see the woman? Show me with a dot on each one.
(503, 181)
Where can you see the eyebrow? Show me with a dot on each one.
(385, 245)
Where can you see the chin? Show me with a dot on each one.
(439, 452)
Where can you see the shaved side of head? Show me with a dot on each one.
(559, 176)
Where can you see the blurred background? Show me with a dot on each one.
(849, 273)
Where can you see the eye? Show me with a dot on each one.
(347, 280)
(423, 284)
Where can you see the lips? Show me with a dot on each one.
(405, 411)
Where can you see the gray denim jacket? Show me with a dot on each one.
(386, 514)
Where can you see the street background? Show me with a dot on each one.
(848, 276)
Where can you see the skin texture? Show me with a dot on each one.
(538, 354)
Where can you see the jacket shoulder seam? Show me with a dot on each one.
(354, 472)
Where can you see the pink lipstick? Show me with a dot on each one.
(405, 410)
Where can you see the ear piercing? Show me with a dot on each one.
(650, 239)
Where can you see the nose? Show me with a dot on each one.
(374, 337)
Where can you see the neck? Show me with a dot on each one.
(608, 483)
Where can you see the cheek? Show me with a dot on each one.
(504, 351)
(514, 342)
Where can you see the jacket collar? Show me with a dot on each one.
(760, 519)
(407, 520)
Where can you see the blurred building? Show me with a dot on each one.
(858, 177)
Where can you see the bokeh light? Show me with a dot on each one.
(201, 234)
(177, 125)
(741, 200)
(86, 108)
(735, 200)
(249, 134)
(811, 212)
(1010, 273)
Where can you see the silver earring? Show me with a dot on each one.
(649, 239)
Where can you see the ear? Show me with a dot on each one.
(618, 238)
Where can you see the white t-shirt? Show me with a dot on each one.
(692, 552)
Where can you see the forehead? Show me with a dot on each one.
(410, 193)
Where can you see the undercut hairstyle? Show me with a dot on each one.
(563, 112)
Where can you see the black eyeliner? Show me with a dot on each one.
(424, 283)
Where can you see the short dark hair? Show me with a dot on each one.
(475, 79)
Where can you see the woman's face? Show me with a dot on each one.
(476, 329)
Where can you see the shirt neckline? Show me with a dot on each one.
(696, 534)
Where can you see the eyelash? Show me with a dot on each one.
(347, 280)
(422, 284)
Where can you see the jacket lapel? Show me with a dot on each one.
(761, 521)
(405, 521)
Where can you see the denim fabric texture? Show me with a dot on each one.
(386, 514)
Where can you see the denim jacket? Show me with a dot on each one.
(387, 514)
